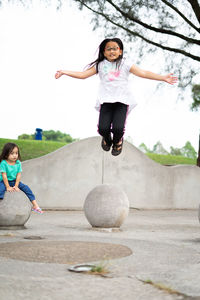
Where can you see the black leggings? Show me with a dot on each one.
(112, 118)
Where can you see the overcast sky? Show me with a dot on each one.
(38, 41)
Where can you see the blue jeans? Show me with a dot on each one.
(24, 188)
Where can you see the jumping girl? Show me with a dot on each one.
(10, 174)
(115, 100)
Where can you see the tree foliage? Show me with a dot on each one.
(169, 25)
(159, 149)
(187, 150)
(144, 148)
(175, 151)
(49, 135)
(196, 97)
(26, 136)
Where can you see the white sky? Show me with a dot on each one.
(38, 41)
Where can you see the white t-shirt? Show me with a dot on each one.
(114, 83)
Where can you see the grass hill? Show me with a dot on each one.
(169, 160)
(31, 149)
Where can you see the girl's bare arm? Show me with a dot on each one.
(17, 182)
(80, 75)
(169, 78)
(5, 180)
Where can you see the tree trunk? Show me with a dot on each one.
(198, 158)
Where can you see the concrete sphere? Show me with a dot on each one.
(15, 210)
(106, 206)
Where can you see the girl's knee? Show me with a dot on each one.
(103, 130)
(118, 131)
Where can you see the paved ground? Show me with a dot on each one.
(155, 255)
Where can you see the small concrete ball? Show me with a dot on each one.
(106, 206)
(15, 209)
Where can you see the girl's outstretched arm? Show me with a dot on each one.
(80, 75)
(169, 78)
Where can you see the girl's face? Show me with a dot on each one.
(112, 51)
(13, 156)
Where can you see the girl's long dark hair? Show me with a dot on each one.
(7, 149)
(101, 53)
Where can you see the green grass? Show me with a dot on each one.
(171, 159)
(31, 149)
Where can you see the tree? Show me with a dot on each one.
(195, 106)
(144, 148)
(173, 26)
(49, 135)
(169, 25)
(26, 136)
(159, 149)
(198, 157)
(196, 97)
(188, 151)
(175, 151)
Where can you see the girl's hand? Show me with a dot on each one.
(16, 189)
(10, 189)
(58, 74)
(169, 78)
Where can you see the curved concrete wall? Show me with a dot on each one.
(62, 179)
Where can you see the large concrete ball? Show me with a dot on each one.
(15, 210)
(106, 206)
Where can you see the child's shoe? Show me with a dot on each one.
(37, 210)
(117, 148)
(105, 146)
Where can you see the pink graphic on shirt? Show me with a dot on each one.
(113, 74)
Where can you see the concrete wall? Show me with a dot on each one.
(63, 179)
